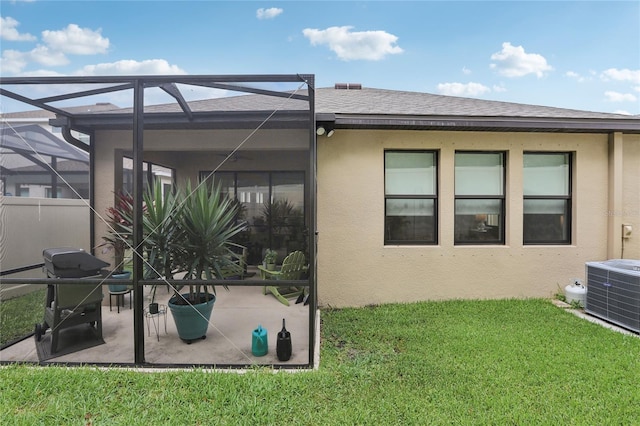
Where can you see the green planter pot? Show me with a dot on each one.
(192, 321)
(117, 288)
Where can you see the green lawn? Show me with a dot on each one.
(19, 316)
(518, 362)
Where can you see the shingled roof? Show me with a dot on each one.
(362, 107)
(392, 109)
(371, 101)
(393, 102)
(37, 114)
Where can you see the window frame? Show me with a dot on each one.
(434, 197)
(567, 198)
(502, 198)
(271, 177)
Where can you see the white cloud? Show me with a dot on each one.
(466, 71)
(76, 41)
(499, 89)
(132, 67)
(513, 61)
(578, 77)
(612, 96)
(56, 45)
(9, 31)
(462, 89)
(353, 45)
(12, 62)
(625, 74)
(270, 13)
(42, 73)
(48, 57)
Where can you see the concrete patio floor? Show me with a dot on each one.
(236, 314)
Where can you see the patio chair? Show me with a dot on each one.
(238, 268)
(293, 267)
(71, 305)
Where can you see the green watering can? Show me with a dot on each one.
(259, 344)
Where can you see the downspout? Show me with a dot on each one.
(69, 138)
(615, 207)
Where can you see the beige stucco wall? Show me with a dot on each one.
(356, 268)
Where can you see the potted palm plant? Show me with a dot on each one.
(188, 233)
(161, 212)
(202, 250)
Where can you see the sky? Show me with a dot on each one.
(581, 55)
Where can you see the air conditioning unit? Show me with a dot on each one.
(613, 292)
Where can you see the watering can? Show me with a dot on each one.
(259, 344)
(283, 345)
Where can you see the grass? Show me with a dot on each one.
(456, 362)
(19, 315)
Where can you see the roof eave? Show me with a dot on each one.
(469, 123)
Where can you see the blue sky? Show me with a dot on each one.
(582, 55)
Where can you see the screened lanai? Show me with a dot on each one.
(254, 135)
(32, 159)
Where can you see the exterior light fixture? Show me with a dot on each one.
(322, 130)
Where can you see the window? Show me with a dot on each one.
(151, 173)
(273, 205)
(547, 198)
(410, 190)
(48, 192)
(479, 197)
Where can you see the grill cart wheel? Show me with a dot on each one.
(39, 332)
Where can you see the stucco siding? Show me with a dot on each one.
(356, 268)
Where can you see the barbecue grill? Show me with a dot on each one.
(69, 305)
(66, 262)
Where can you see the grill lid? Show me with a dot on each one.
(67, 259)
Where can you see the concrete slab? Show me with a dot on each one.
(582, 314)
(236, 314)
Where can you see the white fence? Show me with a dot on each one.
(30, 225)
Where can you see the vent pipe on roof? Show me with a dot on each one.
(348, 86)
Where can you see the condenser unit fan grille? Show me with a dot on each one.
(613, 292)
